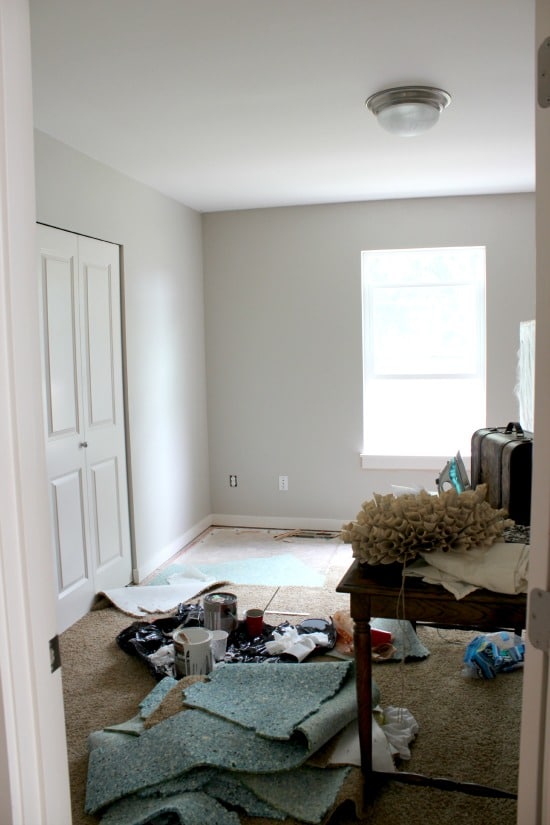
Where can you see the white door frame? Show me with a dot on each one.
(34, 783)
(534, 780)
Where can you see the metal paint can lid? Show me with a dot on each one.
(220, 611)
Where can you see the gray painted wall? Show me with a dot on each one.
(277, 390)
(284, 342)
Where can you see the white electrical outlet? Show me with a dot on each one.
(283, 483)
(232, 480)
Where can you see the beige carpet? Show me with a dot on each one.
(469, 729)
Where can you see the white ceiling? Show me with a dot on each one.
(238, 104)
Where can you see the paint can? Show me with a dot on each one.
(192, 651)
(220, 611)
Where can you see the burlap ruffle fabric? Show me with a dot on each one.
(392, 528)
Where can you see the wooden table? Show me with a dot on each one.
(376, 592)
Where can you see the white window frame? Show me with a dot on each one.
(476, 282)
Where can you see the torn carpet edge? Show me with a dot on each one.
(305, 794)
(142, 600)
(191, 808)
(224, 785)
(231, 790)
(271, 699)
(136, 725)
(193, 739)
(190, 739)
(332, 716)
(216, 781)
(339, 711)
(194, 780)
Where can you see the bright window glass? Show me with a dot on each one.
(423, 350)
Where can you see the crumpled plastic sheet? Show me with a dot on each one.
(487, 656)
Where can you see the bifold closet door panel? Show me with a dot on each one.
(64, 421)
(104, 412)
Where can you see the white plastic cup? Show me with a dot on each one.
(218, 644)
(192, 651)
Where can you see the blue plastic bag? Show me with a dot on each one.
(494, 653)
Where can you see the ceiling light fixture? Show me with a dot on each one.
(408, 110)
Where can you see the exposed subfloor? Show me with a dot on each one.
(319, 550)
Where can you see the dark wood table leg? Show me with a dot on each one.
(363, 658)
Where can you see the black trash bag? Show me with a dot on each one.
(141, 638)
(144, 638)
(241, 648)
(319, 626)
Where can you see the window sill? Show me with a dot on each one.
(406, 462)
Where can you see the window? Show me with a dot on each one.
(423, 354)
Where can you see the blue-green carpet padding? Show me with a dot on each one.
(177, 570)
(192, 809)
(134, 726)
(190, 739)
(333, 715)
(245, 693)
(407, 645)
(305, 794)
(155, 697)
(191, 781)
(230, 789)
(275, 571)
(223, 785)
(171, 759)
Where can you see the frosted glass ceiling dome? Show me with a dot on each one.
(408, 110)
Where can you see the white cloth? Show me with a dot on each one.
(400, 728)
(295, 644)
(502, 568)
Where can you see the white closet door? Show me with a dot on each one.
(85, 441)
(103, 404)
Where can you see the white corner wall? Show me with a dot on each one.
(164, 338)
(283, 331)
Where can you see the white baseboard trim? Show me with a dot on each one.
(277, 522)
(166, 553)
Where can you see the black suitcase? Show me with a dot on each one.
(502, 458)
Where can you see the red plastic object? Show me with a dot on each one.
(379, 637)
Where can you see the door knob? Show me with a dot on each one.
(83, 444)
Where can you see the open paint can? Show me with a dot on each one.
(220, 611)
(192, 651)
